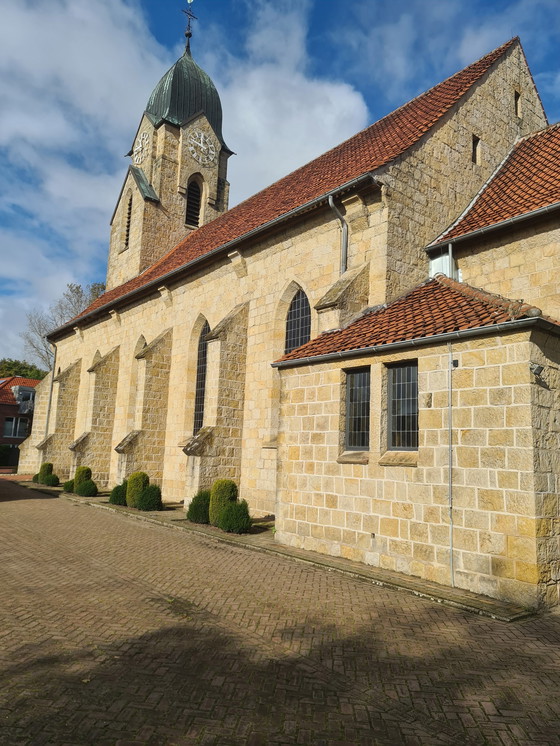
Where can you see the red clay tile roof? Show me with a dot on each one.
(528, 180)
(437, 306)
(6, 384)
(368, 150)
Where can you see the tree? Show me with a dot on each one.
(73, 301)
(9, 367)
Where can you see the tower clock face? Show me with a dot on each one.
(141, 148)
(201, 147)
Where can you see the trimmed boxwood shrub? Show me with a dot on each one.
(150, 498)
(223, 491)
(87, 488)
(83, 473)
(137, 483)
(198, 510)
(118, 494)
(51, 480)
(235, 518)
(35, 478)
(68, 486)
(44, 471)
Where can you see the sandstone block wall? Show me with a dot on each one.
(522, 264)
(62, 430)
(393, 511)
(430, 185)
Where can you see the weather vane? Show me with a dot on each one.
(191, 16)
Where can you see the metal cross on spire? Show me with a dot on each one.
(191, 16)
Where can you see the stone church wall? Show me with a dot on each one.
(392, 512)
(431, 184)
(62, 431)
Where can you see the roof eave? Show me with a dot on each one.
(367, 178)
(539, 212)
(479, 331)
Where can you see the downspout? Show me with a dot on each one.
(452, 364)
(450, 261)
(51, 390)
(344, 236)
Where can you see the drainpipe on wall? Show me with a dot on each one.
(344, 236)
(51, 389)
(452, 364)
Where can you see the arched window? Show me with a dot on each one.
(298, 322)
(200, 378)
(194, 197)
(127, 224)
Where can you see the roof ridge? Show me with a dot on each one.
(515, 308)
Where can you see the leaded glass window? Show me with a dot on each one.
(357, 409)
(403, 407)
(201, 378)
(298, 322)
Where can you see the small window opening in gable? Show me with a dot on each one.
(194, 199)
(517, 103)
(475, 149)
(128, 223)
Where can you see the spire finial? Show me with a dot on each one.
(191, 16)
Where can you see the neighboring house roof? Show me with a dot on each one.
(362, 154)
(528, 180)
(6, 385)
(437, 307)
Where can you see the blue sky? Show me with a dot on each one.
(295, 76)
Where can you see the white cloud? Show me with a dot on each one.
(74, 79)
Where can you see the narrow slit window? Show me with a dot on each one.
(403, 407)
(200, 388)
(517, 103)
(298, 322)
(128, 223)
(194, 197)
(357, 410)
(475, 149)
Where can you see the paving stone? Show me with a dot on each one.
(116, 631)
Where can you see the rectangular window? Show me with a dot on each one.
(403, 407)
(15, 427)
(517, 103)
(475, 149)
(22, 425)
(357, 409)
(9, 427)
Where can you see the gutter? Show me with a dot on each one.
(162, 279)
(479, 331)
(495, 226)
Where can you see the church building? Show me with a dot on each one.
(368, 347)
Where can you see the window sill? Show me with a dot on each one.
(353, 457)
(399, 458)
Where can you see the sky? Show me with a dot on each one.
(295, 77)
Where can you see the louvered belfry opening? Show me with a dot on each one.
(298, 322)
(194, 195)
(128, 222)
(200, 378)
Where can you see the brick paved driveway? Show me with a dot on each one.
(114, 631)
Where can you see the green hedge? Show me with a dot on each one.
(87, 488)
(150, 498)
(223, 491)
(198, 510)
(137, 483)
(118, 494)
(83, 473)
(51, 480)
(235, 518)
(68, 486)
(44, 471)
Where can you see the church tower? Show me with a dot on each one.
(177, 179)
